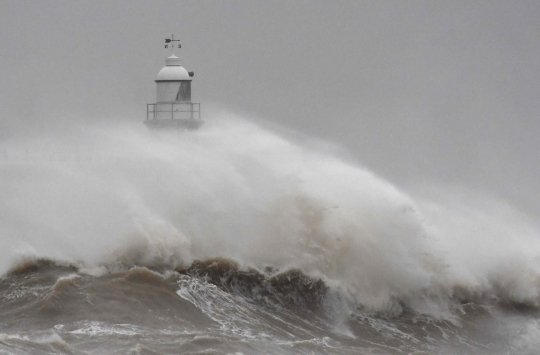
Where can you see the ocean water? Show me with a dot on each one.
(243, 239)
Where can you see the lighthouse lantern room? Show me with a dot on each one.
(173, 107)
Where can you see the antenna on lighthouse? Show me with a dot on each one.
(172, 44)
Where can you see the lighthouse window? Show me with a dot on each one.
(184, 91)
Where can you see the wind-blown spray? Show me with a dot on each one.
(112, 198)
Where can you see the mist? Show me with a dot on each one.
(422, 93)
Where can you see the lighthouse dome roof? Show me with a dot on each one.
(173, 70)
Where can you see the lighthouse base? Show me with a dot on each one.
(176, 123)
(174, 115)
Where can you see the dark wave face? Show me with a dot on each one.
(216, 307)
(236, 240)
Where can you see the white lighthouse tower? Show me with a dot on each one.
(173, 107)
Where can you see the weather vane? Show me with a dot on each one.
(171, 41)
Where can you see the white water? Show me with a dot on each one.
(234, 189)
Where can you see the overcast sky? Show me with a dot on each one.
(442, 92)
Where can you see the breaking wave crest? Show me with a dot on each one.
(285, 308)
(287, 288)
(291, 224)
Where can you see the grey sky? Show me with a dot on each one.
(418, 91)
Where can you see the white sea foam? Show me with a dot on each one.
(100, 329)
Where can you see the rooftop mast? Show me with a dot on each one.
(171, 41)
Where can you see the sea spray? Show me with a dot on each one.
(123, 195)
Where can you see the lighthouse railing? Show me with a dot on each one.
(173, 111)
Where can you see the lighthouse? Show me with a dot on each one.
(173, 107)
